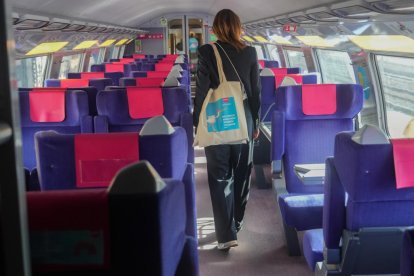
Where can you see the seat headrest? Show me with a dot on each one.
(158, 125)
(178, 67)
(370, 135)
(266, 72)
(142, 173)
(409, 129)
(171, 82)
(288, 81)
(349, 100)
(174, 74)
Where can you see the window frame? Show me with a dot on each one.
(382, 103)
(316, 54)
(46, 70)
(296, 49)
(263, 50)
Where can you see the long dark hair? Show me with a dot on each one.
(227, 27)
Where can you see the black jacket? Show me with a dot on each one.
(247, 67)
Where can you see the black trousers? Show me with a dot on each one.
(229, 168)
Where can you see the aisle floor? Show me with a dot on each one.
(261, 249)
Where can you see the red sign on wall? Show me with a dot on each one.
(150, 36)
(290, 28)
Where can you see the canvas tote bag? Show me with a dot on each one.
(222, 118)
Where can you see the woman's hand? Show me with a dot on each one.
(256, 134)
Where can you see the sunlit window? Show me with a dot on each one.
(70, 64)
(397, 81)
(274, 54)
(259, 51)
(93, 58)
(30, 72)
(336, 67)
(297, 59)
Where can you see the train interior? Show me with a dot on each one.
(99, 173)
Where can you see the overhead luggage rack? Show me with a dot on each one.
(394, 6)
(301, 18)
(322, 14)
(56, 24)
(356, 9)
(31, 22)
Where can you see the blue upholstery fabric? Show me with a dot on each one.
(369, 204)
(139, 74)
(160, 244)
(98, 68)
(147, 231)
(310, 79)
(407, 254)
(166, 153)
(56, 158)
(268, 97)
(301, 139)
(271, 64)
(148, 67)
(114, 115)
(76, 121)
(334, 207)
(313, 247)
(294, 70)
(302, 211)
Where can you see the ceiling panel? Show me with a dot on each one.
(133, 13)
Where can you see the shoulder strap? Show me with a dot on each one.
(235, 70)
(220, 70)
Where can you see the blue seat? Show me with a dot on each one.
(114, 113)
(77, 120)
(167, 153)
(94, 86)
(268, 92)
(298, 138)
(407, 254)
(136, 226)
(364, 214)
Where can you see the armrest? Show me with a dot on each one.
(333, 213)
(278, 141)
(186, 122)
(190, 199)
(87, 124)
(101, 124)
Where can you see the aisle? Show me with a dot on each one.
(261, 249)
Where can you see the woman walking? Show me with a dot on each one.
(229, 165)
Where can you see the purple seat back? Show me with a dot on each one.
(368, 176)
(148, 67)
(407, 254)
(76, 121)
(166, 153)
(114, 105)
(302, 139)
(139, 74)
(271, 64)
(98, 68)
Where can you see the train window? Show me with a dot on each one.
(297, 59)
(93, 57)
(30, 72)
(69, 64)
(397, 84)
(273, 52)
(115, 52)
(336, 67)
(259, 51)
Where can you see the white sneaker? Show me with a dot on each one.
(227, 245)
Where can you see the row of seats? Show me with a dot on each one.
(110, 239)
(357, 230)
(114, 109)
(136, 226)
(364, 212)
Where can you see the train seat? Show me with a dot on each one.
(114, 75)
(304, 126)
(407, 254)
(115, 111)
(136, 226)
(72, 108)
(148, 67)
(86, 166)
(270, 83)
(90, 86)
(365, 214)
(269, 64)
